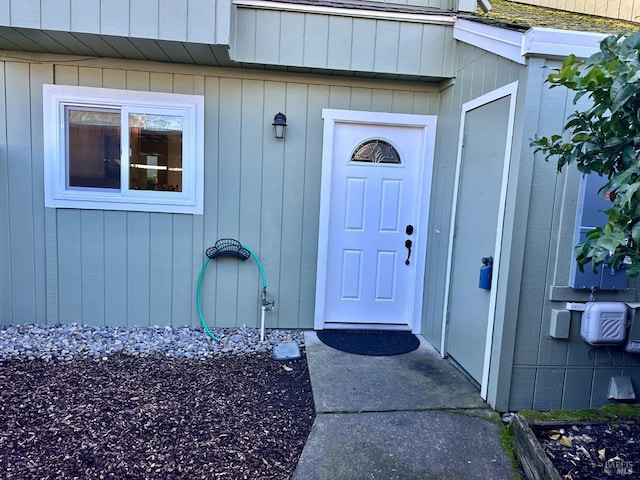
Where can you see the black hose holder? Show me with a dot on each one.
(228, 246)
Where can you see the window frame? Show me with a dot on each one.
(58, 194)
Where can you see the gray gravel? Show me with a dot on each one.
(68, 341)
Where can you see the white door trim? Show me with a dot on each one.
(508, 90)
(428, 124)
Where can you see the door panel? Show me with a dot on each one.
(386, 276)
(390, 205)
(355, 204)
(351, 278)
(476, 230)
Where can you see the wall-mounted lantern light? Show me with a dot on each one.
(279, 124)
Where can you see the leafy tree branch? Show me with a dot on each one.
(605, 139)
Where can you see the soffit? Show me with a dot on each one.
(107, 46)
(114, 47)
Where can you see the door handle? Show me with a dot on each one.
(408, 244)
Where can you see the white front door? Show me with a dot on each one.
(373, 220)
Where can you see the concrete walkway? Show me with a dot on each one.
(411, 416)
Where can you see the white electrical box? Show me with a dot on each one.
(604, 323)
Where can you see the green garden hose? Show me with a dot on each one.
(204, 324)
(221, 251)
(255, 257)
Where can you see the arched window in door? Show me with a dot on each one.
(376, 151)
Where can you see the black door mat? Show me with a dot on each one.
(369, 342)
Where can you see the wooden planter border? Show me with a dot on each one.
(535, 462)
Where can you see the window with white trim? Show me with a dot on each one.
(123, 150)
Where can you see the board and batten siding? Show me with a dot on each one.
(199, 21)
(478, 72)
(553, 373)
(134, 268)
(312, 40)
(620, 9)
(23, 242)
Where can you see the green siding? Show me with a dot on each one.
(173, 19)
(478, 73)
(138, 267)
(144, 17)
(133, 268)
(70, 281)
(5, 13)
(116, 282)
(547, 396)
(529, 369)
(198, 21)
(229, 180)
(184, 272)
(22, 13)
(577, 388)
(85, 15)
(254, 121)
(364, 34)
(340, 35)
(92, 238)
(568, 373)
(342, 43)
(315, 36)
(22, 233)
(5, 225)
(38, 75)
(522, 387)
(290, 253)
(387, 46)
(115, 18)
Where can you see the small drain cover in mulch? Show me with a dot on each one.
(367, 342)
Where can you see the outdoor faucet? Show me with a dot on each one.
(266, 306)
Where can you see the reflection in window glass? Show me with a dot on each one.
(93, 146)
(376, 151)
(156, 152)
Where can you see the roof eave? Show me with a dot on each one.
(535, 42)
(553, 43)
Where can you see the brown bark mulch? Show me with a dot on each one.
(228, 417)
(599, 451)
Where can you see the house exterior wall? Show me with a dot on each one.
(477, 73)
(200, 21)
(554, 373)
(392, 40)
(621, 9)
(529, 368)
(343, 43)
(133, 268)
